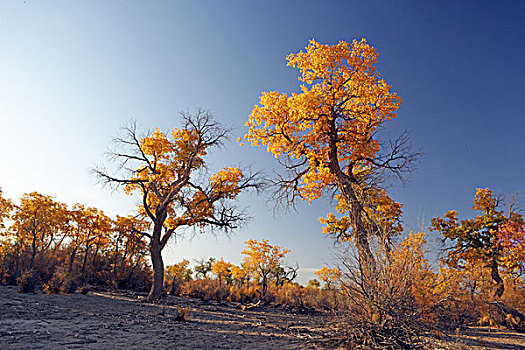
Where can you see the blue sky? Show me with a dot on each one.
(71, 73)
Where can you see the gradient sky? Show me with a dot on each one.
(71, 73)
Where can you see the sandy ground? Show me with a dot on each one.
(125, 321)
(120, 321)
(485, 338)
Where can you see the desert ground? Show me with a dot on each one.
(124, 320)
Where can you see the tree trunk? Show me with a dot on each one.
(344, 183)
(264, 287)
(157, 287)
(86, 252)
(366, 258)
(496, 277)
(95, 256)
(33, 251)
(72, 260)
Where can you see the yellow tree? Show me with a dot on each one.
(128, 248)
(262, 259)
(239, 274)
(222, 269)
(327, 136)
(180, 270)
(88, 230)
(203, 267)
(6, 208)
(179, 273)
(102, 228)
(330, 276)
(495, 238)
(168, 172)
(37, 222)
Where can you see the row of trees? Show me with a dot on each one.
(45, 239)
(262, 266)
(262, 277)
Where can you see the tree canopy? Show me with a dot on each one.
(495, 237)
(327, 138)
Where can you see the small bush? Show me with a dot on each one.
(182, 314)
(61, 282)
(28, 282)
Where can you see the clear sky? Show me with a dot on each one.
(72, 72)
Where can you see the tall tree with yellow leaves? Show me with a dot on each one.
(327, 138)
(167, 171)
(89, 230)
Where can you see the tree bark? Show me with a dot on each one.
(72, 259)
(496, 277)
(366, 258)
(344, 182)
(33, 251)
(157, 287)
(84, 263)
(155, 249)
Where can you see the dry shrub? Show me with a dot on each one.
(302, 299)
(182, 314)
(289, 295)
(9, 263)
(174, 286)
(61, 282)
(514, 294)
(139, 279)
(205, 289)
(29, 281)
(382, 310)
(242, 294)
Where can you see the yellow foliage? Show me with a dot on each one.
(261, 258)
(222, 269)
(226, 181)
(342, 93)
(330, 276)
(168, 159)
(491, 243)
(169, 165)
(384, 211)
(484, 200)
(180, 270)
(6, 208)
(38, 221)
